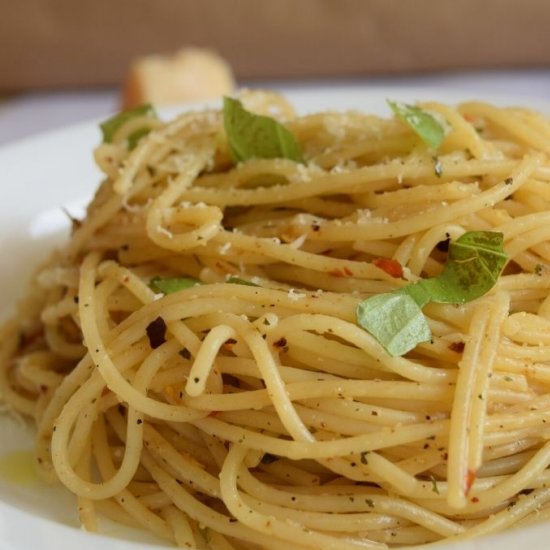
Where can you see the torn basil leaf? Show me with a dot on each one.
(257, 136)
(425, 125)
(170, 285)
(239, 281)
(112, 125)
(473, 266)
(395, 320)
(474, 263)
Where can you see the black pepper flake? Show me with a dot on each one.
(75, 299)
(139, 421)
(364, 457)
(185, 353)
(156, 332)
(280, 343)
(509, 181)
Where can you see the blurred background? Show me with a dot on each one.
(62, 61)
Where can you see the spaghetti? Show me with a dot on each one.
(248, 408)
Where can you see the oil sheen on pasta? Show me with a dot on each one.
(229, 415)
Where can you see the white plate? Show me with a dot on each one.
(45, 173)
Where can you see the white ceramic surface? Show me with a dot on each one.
(41, 176)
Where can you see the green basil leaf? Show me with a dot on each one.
(425, 125)
(170, 285)
(111, 125)
(239, 281)
(474, 263)
(395, 320)
(257, 136)
(133, 139)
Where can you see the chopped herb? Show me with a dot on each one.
(170, 285)
(509, 181)
(425, 125)
(156, 332)
(239, 281)
(508, 379)
(110, 127)
(364, 457)
(435, 489)
(539, 269)
(257, 136)
(369, 502)
(395, 319)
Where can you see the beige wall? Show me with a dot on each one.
(47, 43)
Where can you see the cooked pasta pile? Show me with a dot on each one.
(248, 408)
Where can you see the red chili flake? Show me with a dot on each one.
(280, 343)
(469, 481)
(156, 332)
(392, 267)
(458, 347)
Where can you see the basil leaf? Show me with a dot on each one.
(473, 266)
(257, 136)
(239, 281)
(395, 320)
(133, 139)
(170, 285)
(111, 125)
(424, 124)
(474, 263)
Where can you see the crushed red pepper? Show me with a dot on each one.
(392, 267)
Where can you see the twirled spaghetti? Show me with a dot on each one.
(260, 414)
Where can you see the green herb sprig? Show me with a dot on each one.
(110, 126)
(425, 125)
(257, 136)
(474, 263)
